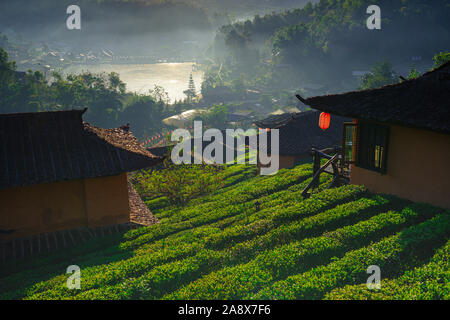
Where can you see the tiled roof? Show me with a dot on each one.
(44, 147)
(139, 212)
(299, 132)
(160, 151)
(163, 150)
(278, 120)
(237, 116)
(422, 103)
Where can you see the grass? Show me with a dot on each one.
(256, 238)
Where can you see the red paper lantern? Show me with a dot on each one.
(324, 121)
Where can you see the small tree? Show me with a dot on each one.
(441, 58)
(381, 75)
(216, 116)
(191, 92)
(413, 73)
(160, 94)
(181, 183)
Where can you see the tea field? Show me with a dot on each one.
(256, 238)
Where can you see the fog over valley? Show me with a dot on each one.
(161, 58)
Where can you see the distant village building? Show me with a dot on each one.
(183, 119)
(219, 94)
(285, 110)
(252, 94)
(228, 146)
(58, 172)
(298, 134)
(239, 118)
(399, 141)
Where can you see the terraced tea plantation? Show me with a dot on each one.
(256, 238)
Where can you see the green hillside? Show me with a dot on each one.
(256, 238)
(323, 43)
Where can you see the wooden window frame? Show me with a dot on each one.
(354, 142)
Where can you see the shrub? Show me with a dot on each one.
(181, 183)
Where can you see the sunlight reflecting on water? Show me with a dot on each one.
(174, 77)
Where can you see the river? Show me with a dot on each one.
(140, 78)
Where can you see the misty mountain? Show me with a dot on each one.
(123, 25)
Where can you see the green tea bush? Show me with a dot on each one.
(428, 282)
(393, 255)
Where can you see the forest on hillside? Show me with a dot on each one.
(321, 44)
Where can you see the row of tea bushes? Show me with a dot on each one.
(394, 255)
(236, 282)
(428, 282)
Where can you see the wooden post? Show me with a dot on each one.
(56, 240)
(80, 233)
(14, 249)
(64, 239)
(22, 249)
(316, 167)
(71, 237)
(3, 247)
(47, 241)
(305, 193)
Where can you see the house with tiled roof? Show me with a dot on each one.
(399, 141)
(58, 172)
(298, 134)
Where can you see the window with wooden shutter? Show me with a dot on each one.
(372, 146)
